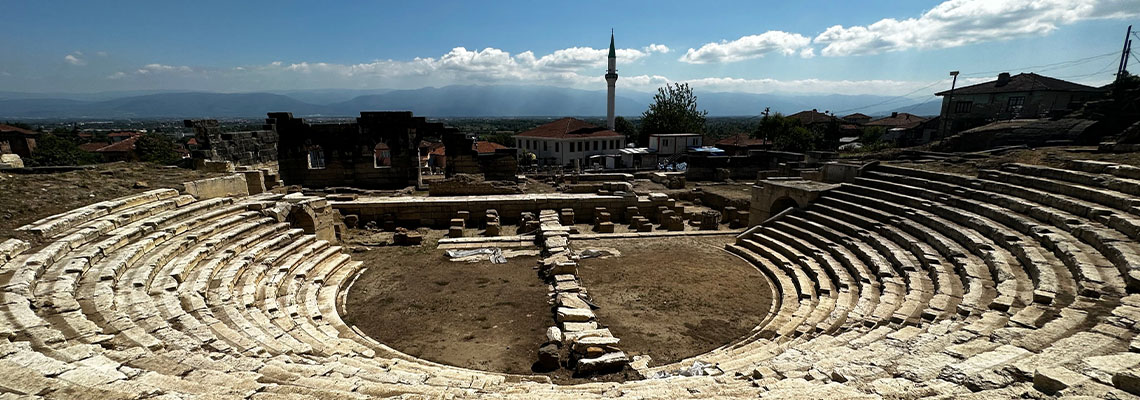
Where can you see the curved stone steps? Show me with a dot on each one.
(856, 296)
(1019, 213)
(912, 288)
(1012, 283)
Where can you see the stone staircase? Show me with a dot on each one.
(1021, 282)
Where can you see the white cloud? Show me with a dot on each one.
(5, 73)
(160, 68)
(961, 22)
(657, 48)
(747, 47)
(117, 75)
(101, 53)
(74, 59)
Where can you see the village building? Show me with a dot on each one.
(1025, 95)
(668, 144)
(568, 141)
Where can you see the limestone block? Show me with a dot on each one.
(493, 229)
(571, 300)
(579, 326)
(225, 186)
(1128, 381)
(604, 342)
(548, 357)
(553, 334)
(605, 227)
(572, 337)
(566, 314)
(605, 362)
(1051, 380)
(455, 232)
(11, 248)
(458, 222)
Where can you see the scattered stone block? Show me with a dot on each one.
(569, 337)
(549, 357)
(553, 334)
(493, 229)
(605, 227)
(455, 232)
(351, 220)
(566, 314)
(571, 300)
(578, 326)
(1128, 381)
(605, 362)
(458, 222)
(710, 220)
(464, 215)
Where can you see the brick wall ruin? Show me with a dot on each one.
(378, 151)
(463, 158)
(240, 148)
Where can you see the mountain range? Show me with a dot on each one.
(449, 101)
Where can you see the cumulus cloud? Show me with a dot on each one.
(74, 59)
(961, 22)
(748, 47)
(657, 48)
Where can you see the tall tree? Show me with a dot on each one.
(626, 128)
(674, 110)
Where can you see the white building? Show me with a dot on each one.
(568, 139)
(667, 144)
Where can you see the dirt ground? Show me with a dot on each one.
(674, 298)
(28, 197)
(485, 316)
(493, 317)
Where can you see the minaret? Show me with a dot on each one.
(611, 83)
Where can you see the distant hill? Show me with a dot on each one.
(449, 101)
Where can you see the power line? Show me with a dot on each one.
(1033, 67)
(893, 99)
(1102, 70)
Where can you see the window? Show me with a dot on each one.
(316, 158)
(605, 144)
(555, 147)
(580, 146)
(544, 145)
(664, 142)
(962, 107)
(1015, 103)
(595, 145)
(382, 156)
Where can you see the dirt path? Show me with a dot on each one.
(675, 298)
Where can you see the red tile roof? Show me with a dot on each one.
(568, 128)
(124, 145)
(484, 146)
(93, 146)
(811, 117)
(900, 120)
(192, 142)
(123, 134)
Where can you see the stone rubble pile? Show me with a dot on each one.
(588, 348)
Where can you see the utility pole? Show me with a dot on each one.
(1123, 66)
(949, 106)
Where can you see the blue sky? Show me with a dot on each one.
(873, 47)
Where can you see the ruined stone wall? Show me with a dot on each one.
(240, 148)
(438, 212)
(327, 155)
(462, 158)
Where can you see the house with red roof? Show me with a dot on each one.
(568, 140)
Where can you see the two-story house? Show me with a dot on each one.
(568, 139)
(1025, 95)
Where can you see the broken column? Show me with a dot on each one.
(710, 220)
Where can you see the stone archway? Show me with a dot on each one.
(782, 204)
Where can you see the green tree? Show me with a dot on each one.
(674, 110)
(54, 150)
(157, 148)
(787, 134)
(626, 128)
(872, 135)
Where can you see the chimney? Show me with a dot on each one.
(1003, 79)
(894, 114)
